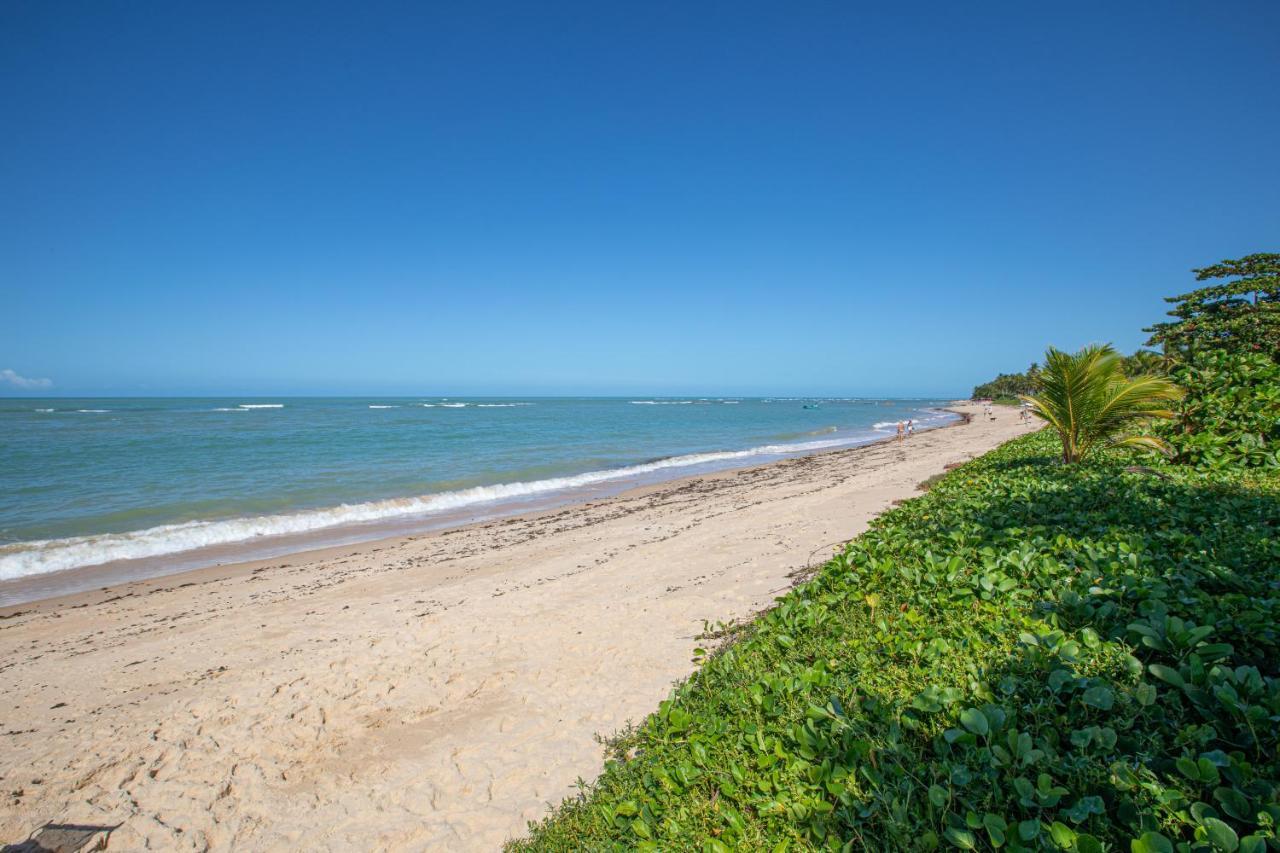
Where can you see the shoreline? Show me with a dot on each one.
(438, 690)
(108, 577)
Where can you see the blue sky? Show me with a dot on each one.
(725, 198)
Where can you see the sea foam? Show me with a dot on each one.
(22, 559)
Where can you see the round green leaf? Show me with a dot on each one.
(1221, 836)
(1151, 842)
(975, 721)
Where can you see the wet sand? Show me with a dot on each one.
(431, 691)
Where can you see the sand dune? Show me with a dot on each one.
(432, 691)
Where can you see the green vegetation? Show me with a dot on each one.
(1008, 387)
(1230, 415)
(1088, 400)
(1029, 656)
(1237, 316)
(1011, 387)
(1224, 348)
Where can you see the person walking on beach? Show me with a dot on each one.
(901, 430)
(911, 427)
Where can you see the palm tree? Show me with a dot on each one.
(1145, 361)
(1086, 397)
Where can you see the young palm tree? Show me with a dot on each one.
(1086, 397)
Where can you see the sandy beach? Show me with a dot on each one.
(426, 692)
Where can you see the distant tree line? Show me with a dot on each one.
(1010, 386)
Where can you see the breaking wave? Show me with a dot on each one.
(51, 555)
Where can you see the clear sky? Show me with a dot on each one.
(714, 198)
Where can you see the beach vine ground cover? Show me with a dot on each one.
(1031, 656)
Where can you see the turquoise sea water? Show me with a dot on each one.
(88, 482)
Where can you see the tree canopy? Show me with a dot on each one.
(1239, 315)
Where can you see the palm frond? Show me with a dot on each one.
(1144, 442)
(1086, 397)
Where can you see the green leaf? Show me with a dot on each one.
(1028, 829)
(1088, 844)
(962, 838)
(1099, 697)
(1151, 842)
(1208, 771)
(996, 828)
(975, 721)
(1167, 675)
(938, 796)
(1221, 836)
(1062, 835)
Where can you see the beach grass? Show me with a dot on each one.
(1027, 656)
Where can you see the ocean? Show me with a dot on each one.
(151, 486)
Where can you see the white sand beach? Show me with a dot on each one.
(427, 692)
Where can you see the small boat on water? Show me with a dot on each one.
(811, 405)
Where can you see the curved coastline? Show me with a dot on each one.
(432, 513)
(372, 689)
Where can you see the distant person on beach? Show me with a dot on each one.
(911, 427)
(901, 430)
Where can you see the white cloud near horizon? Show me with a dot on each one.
(16, 380)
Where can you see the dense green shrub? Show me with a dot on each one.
(1230, 415)
(1030, 656)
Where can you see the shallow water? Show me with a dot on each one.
(175, 483)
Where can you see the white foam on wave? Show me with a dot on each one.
(45, 411)
(383, 407)
(51, 555)
(453, 405)
(500, 405)
(922, 416)
(262, 405)
(229, 410)
(663, 402)
(93, 411)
